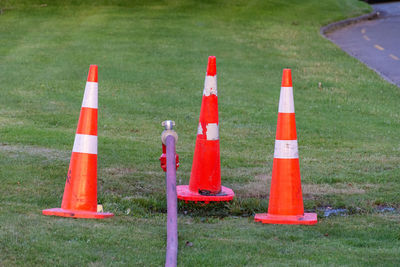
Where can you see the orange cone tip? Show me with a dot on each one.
(287, 78)
(92, 76)
(80, 192)
(205, 179)
(212, 66)
(286, 200)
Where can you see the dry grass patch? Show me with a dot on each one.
(48, 153)
(117, 172)
(6, 121)
(336, 189)
(130, 182)
(259, 188)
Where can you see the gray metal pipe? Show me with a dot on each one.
(169, 137)
(172, 205)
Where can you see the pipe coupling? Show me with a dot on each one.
(168, 131)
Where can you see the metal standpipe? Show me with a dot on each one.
(169, 138)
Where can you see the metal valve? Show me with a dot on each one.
(168, 131)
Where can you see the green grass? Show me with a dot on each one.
(152, 58)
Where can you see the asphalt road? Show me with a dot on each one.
(375, 42)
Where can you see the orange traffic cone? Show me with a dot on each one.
(80, 193)
(205, 178)
(286, 200)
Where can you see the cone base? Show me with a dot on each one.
(307, 218)
(77, 213)
(184, 193)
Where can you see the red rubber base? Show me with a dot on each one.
(184, 193)
(77, 213)
(307, 218)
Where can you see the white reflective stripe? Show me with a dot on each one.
(212, 131)
(199, 129)
(210, 86)
(286, 149)
(90, 96)
(85, 143)
(286, 104)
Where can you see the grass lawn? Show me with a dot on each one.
(152, 58)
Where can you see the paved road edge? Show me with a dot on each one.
(343, 23)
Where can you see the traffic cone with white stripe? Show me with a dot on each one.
(286, 200)
(205, 178)
(80, 193)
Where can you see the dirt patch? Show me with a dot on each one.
(48, 153)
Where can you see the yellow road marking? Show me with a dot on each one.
(394, 57)
(379, 47)
(366, 38)
(363, 31)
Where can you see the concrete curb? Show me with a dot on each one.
(343, 23)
